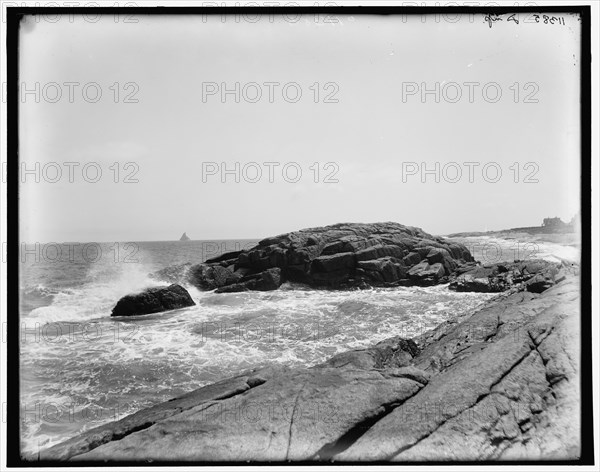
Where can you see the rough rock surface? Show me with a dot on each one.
(338, 256)
(501, 384)
(536, 275)
(269, 279)
(153, 300)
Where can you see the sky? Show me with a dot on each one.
(361, 132)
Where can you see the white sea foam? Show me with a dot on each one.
(96, 298)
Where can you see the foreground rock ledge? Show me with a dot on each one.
(501, 384)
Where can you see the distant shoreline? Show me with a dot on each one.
(532, 230)
(566, 236)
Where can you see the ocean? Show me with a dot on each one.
(80, 368)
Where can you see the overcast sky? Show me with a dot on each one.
(372, 128)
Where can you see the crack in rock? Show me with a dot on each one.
(349, 438)
(287, 453)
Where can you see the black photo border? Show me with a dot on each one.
(13, 18)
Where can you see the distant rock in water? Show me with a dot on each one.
(153, 300)
(184, 237)
(345, 255)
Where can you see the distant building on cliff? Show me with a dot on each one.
(575, 222)
(555, 222)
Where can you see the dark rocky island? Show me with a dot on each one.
(345, 255)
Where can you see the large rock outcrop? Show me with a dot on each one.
(153, 300)
(502, 384)
(344, 255)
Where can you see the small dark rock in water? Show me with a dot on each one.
(153, 300)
